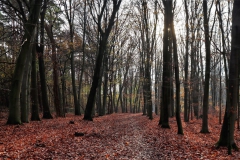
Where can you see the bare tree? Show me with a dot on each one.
(104, 34)
(227, 132)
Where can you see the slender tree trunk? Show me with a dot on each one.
(171, 107)
(148, 51)
(106, 79)
(76, 104)
(40, 50)
(99, 94)
(122, 86)
(220, 92)
(63, 82)
(83, 50)
(34, 91)
(186, 81)
(56, 89)
(69, 11)
(131, 91)
(177, 80)
(98, 65)
(207, 71)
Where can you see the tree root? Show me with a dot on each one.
(233, 146)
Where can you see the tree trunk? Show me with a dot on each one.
(227, 132)
(28, 38)
(40, 50)
(207, 71)
(131, 91)
(63, 82)
(76, 104)
(56, 89)
(83, 58)
(98, 65)
(166, 66)
(186, 81)
(34, 91)
(24, 101)
(69, 11)
(148, 61)
(105, 88)
(177, 80)
(96, 78)
(220, 93)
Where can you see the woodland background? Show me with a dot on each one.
(165, 57)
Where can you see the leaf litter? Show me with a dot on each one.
(115, 136)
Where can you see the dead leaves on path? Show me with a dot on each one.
(116, 136)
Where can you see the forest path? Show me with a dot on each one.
(116, 136)
(129, 132)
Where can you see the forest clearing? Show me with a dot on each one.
(115, 136)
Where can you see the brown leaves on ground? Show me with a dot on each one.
(116, 136)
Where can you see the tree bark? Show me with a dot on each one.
(69, 11)
(207, 71)
(40, 50)
(166, 66)
(186, 80)
(83, 50)
(98, 65)
(34, 93)
(25, 89)
(177, 80)
(147, 73)
(56, 89)
(105, 87)
(227, 131)
(28, 38)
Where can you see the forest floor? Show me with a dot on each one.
(115, 136)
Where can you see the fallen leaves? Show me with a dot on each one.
(116, 136)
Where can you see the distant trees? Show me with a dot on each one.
(101, 57)
(69, 9)
(104, 34)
